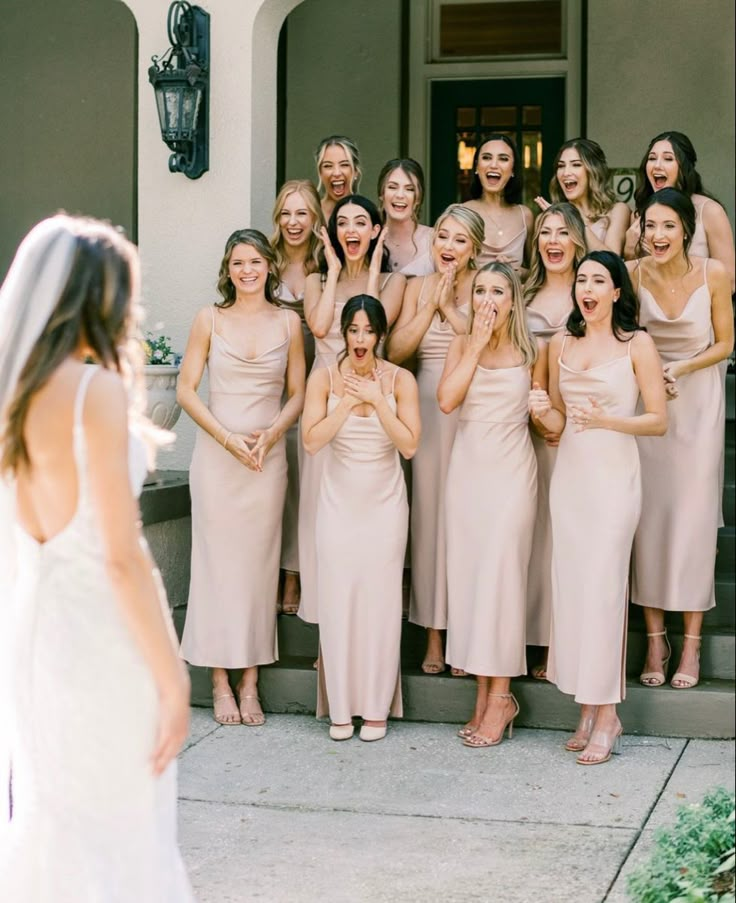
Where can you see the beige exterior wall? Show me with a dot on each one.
(68, 114)
(343, 77)
(660, 65)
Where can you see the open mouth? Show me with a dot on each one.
(493, 178)
(399, 206)
(338, 187)
(352, 246)
(569, 185)
(589, 305)
(659, 181)
(447, 259)
(554, 256)
(295, 234)
(360, 353)
(660, 247)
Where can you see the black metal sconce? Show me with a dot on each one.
(180, 79)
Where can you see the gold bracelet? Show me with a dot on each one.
(224, 444)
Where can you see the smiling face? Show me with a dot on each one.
(572, 175)
(595, 292)
(494, 287)
(663, 233)
(662, 168)
(360, 338)
(296, 221)
(495, 166)
(400, 196)
(336, 172)
(555, 245)
(355, 231)
(248, 270)
(452, 246)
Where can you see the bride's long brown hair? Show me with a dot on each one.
(97, 306)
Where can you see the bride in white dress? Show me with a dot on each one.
(95, 701)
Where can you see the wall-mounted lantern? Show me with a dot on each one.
(180, 79)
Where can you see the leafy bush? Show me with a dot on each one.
(692, 862)
(158, 350)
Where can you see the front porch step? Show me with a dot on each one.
(707, 711)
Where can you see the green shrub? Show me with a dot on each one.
(692, 862)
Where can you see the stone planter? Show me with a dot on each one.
(161, 406)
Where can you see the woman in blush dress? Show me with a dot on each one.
(670, 162)
(355, 262)
(367, 410)
(91, 648)
(557, 248)
(254, 354)
(491, 497)
(338, 170)
(686, 308)
(296, 242)
(400, 196)
(435, 311)
(598, 370)
(581, 177)
(496, 194)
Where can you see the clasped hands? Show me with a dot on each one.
(671, 372)
(251, 448)
(584, 418)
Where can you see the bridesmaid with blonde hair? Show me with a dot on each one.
(355, 262)
(582, 178)
(491, 497)
(400, 196)
(599, 368)
(296, 242)
(254, 354)
(558, 246)
(338, 170)
(434, 311)
(686, 309)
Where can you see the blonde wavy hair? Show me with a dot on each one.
(601, 197)
(472, 223)
(351, 151)
(311, 201)
(575, 226)
(525, 344)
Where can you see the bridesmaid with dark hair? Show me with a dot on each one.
(400, 196)
(367, 411)
(496, 194)
(598, 370)
(670, 162)
(355, 261)
(686, 309)
(254, 354)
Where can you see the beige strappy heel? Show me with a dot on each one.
(657, 678)
(478, 741)
(687, 681)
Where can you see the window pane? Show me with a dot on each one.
(531, 116)
(498, 117)
(531, 159)
(516, 28)
(466, 117)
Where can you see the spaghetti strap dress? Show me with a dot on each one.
(310, 476)
(290, 526)
(361, 530)
(91, 822)
(512, 247)
(428, 606)
(675, 545)
(491, 503)
(236, 515)
(595, 503)
(539, 593)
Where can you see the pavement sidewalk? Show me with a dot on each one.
(281, 814)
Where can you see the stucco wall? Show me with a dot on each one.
(343, 77)
(68, 114)
(661, 65)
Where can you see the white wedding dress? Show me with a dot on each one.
(90, 823)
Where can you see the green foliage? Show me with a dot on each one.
(692, 862)
(158, 350)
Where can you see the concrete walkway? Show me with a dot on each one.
(281, 813)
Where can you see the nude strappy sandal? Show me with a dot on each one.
(686, 681)
(657, 678)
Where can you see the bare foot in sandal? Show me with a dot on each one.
(291, 596)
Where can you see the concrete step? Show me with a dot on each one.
(723, 616)
(726, 557)
(705, 711)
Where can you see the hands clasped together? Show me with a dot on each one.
(251, 448)
(592, 417)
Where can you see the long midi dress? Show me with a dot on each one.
(539, 593)
(595, 502)
(237, 515)
(428, 606)
(675, 545)
(491, 503)
(290, 526)
(362, 521)
(310, 476)
(91, 822)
